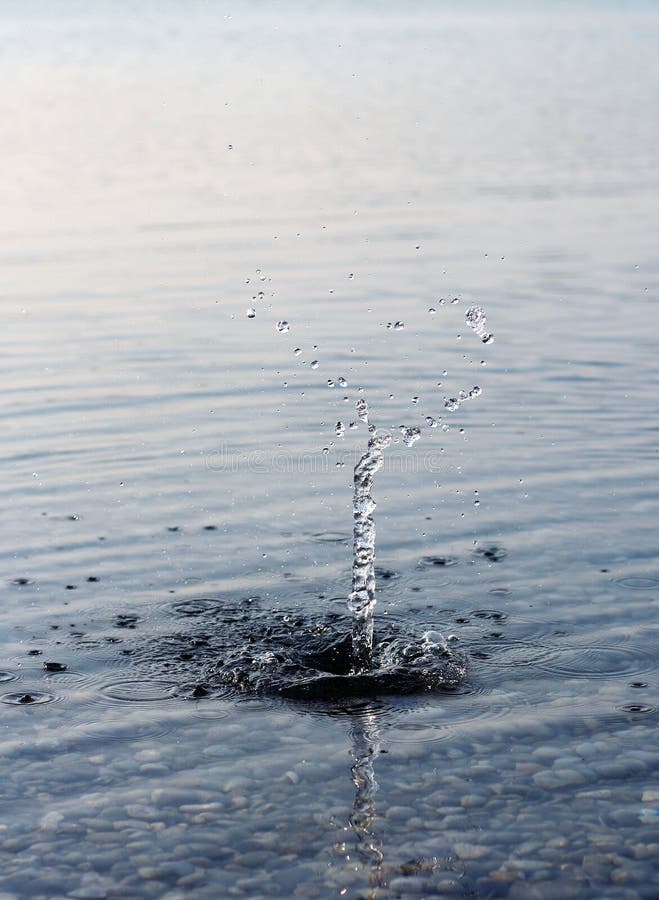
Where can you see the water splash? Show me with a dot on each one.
(475, 317)
(361, 600)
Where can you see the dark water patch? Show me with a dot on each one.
(493, 615)
(55, 667)
(637, 708)
(382, 574)
(126, 620)
(441, 562)
(28, 698)
(7, 676)
(492, 552)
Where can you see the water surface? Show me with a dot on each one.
(166, 484)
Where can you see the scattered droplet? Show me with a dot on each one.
(362, 409)
(314, 364)
(297, 351)
(330, 383)
(251, 312)
(282, 326)
(415, 399)
(340, 429)
(411, 434)
(342, 381)
(430, 422)
(398, 326)
(432, 310)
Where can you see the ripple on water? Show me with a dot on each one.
(637, 582)
(598, 662)
(142, 691)
(445, 717)
(330, 537)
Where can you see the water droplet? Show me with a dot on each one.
(455, 300)
(325, 449)
(362, 409)
(415, 399)
(251, 312)
(462, 395)
(488, 338)
(410, 434)
(441, 302)
(342, 381)
(297, 351)
(475, 391)
(282, 326)
(451, 403)
(340, 429)
(339, 464)
(398, 326)
(430, 422)
(352, 275)
(314, 364)
(330, 383)
(432, 310)
(445, 427)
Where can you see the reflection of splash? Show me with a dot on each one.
(365, 749)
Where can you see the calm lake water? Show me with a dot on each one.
(173, 483)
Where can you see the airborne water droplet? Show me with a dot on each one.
(282, 326)
(340, 429)
(314, 364)
(410, 434)
(297, 351)
(430, 422)
(342, 381)
(362, 409)
(398, 326)
(251, 312)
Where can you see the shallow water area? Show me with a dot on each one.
(232, 240)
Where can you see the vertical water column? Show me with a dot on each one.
(361, 599)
